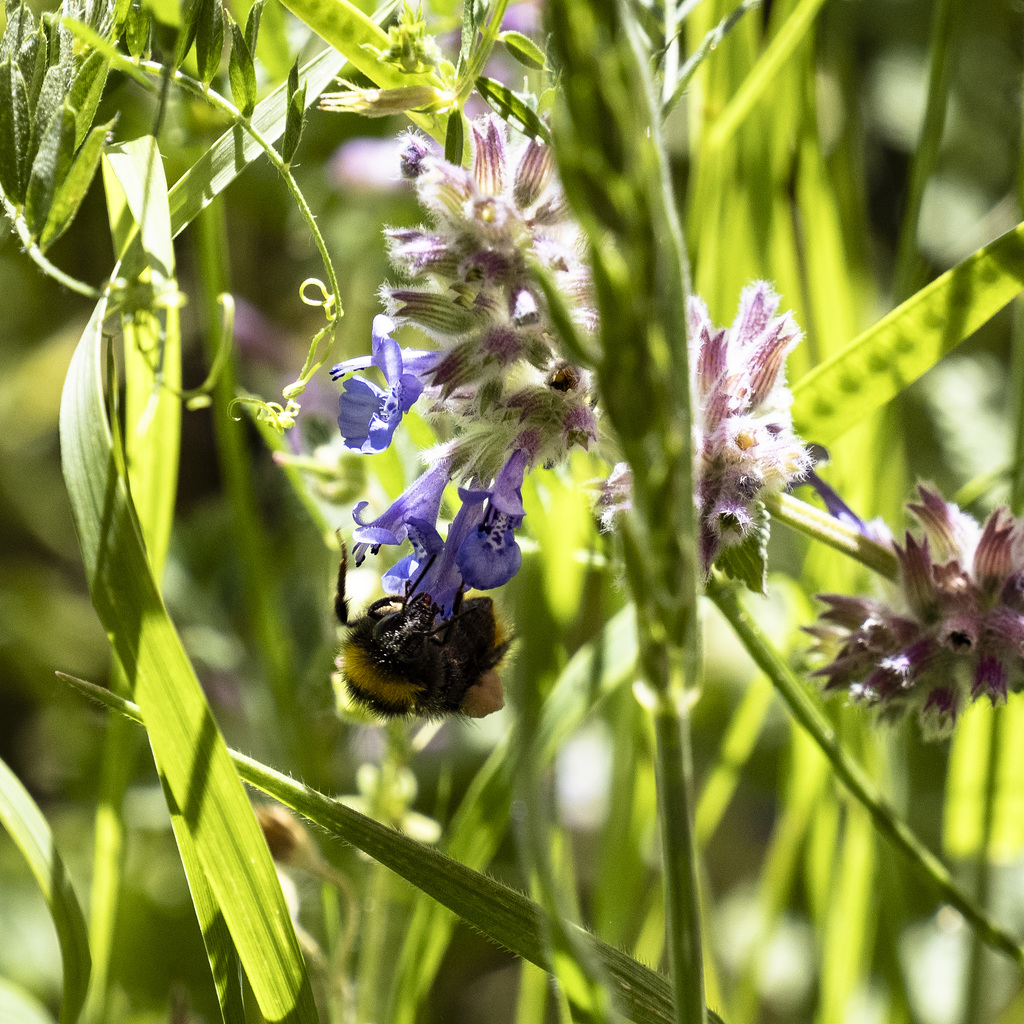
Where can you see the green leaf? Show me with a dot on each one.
(504, 102)
(236, 149)
(31, 834)
(136, 187)
(186, 743)
(137, 29)
(252, 26)
(506, 916)
(187, 31)
(209, 39)
(86, 90)
(72, 190)
(50, 167)
(748, 560)
(20, 27)
(51, 96)
(241, 72)
(296, 117)
(523, 49)
(15, 131)
(886, 358)
(455, 139)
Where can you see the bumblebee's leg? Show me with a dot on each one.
(340, 601)
(450, 622)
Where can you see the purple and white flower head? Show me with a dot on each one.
(496, 376)
(954, 632)
(499, 369)
(743, 428)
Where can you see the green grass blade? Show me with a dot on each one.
(968, 782)
(479, 825)
(803, 708)
(506, 916)
(187, 745)
(754, 86)
(31, 834)
(881, 362)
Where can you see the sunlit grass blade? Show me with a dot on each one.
(31, 834)
(508, 917)
(479, 825)
(737, 746)
(881, 362)
(851, 918)
(806, 779)
(972, 775)
(755, 85)
(187, 745)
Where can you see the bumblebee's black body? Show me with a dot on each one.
(397, 662)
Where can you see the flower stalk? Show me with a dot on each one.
(852, 776)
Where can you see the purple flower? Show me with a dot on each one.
(955, 631)
(743, 429)
(368, 415)
(489, 556)
(413, 514)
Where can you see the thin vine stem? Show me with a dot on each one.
(852, 776)
(333, 307)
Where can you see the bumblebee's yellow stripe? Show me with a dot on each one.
(366, 674)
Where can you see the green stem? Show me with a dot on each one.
(976, 995)
(502, 913)
(852, 776)
(261, 595)
(939, 76)
(333, 308)
(482, 53)
(674, 768)
(823, 527)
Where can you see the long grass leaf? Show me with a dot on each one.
(886, 358)
(774, 58)
(187, 745)
(498, 911)
(31, 834)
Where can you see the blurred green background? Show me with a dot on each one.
(787, 851)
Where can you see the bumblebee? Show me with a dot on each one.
(397, 660)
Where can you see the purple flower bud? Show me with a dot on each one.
(415, 151)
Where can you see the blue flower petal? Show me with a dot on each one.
(489, 557)
(357, 405)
